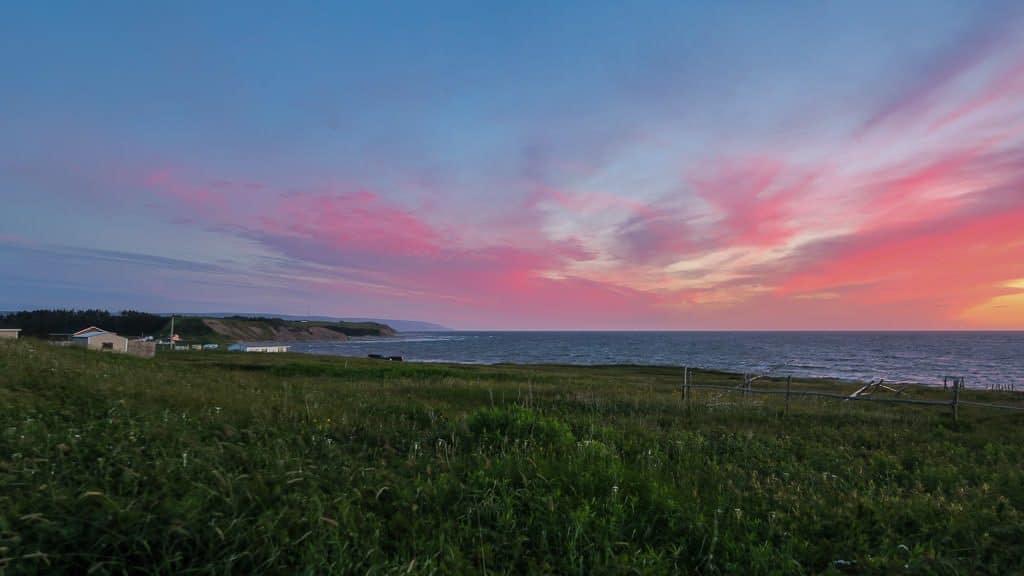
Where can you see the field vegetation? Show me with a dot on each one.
(219, 463)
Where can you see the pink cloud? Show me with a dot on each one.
(932, 260)
(754, 198)
(210, 203)
(356, 224)
(401, 255)
(922, 193)
(953, 263)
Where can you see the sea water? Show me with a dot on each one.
(983, 358)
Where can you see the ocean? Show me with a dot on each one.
(982, 358)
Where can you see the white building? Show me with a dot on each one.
(259, 348)
(9, 333)
(95, 338)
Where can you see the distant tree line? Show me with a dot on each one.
(40, 323)
(275, 322)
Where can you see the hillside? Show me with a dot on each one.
(396, 324)
(239, 329)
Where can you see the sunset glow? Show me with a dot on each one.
(838, 168)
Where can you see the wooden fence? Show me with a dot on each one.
(747, 389)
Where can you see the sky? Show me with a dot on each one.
(519, 165)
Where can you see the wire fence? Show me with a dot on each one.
(861, 395)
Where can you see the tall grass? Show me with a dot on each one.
(232, 463)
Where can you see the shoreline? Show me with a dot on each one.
(823, 382)
(985, 361)
(802, 386)
(832, 378)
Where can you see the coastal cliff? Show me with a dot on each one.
(239, 329)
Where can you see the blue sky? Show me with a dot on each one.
(661, 165)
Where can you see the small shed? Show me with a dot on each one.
(9, 333)
(94, 338)
(142, 348)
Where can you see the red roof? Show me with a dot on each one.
(90, 331)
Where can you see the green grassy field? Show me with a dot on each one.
(220, 463)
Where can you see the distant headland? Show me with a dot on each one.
(222, 328)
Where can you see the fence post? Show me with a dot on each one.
(682, 387)
(956, 399)
(789, 389)
(689, 388)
